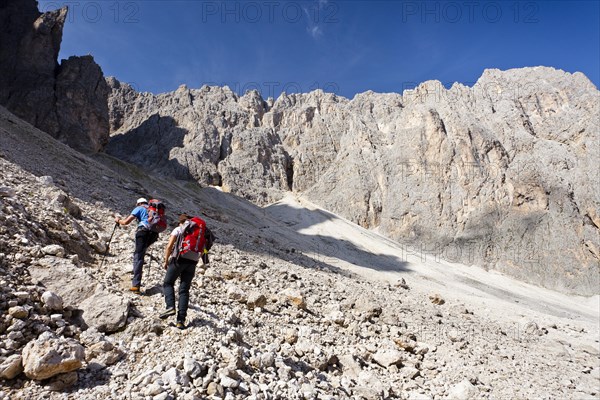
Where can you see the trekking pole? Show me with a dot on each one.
(108, 245)
(149, 265)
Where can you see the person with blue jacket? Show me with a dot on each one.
(144, 237)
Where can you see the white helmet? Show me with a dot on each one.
(141, 200)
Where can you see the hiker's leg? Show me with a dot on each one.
(149, 239)
(138, 257)
(152, 237)
(187, 275)
(173, 272)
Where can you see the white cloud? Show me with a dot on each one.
(314, 31)
(314, 19)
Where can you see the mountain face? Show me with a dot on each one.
(502, 174)
(67, 100)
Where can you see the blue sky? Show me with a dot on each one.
(344, 47)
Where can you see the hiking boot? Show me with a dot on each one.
(168, 313)
(135, 290)
(180, 325)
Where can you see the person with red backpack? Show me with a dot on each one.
(188, 244)
(151, 221)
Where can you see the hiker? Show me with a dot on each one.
(144, 237)
(188, 244)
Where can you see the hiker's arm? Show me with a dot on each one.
(169, 249)
(125, 221)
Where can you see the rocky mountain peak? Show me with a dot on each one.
(66, 100)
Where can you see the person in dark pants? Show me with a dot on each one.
(178, 266)
(144, 237)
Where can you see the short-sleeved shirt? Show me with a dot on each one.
(177, 231)
(141, 214)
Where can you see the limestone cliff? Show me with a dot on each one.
(502, 174)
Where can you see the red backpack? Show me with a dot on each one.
(157, 220)
(192, 241)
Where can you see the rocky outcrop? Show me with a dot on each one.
(67, 101)
(29, 47)
(209, 135)
(100, 309)
(81, 104)
(255, 158)
(501, 182)
(501, 174)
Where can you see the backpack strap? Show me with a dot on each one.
(142, 223)
(179, 241)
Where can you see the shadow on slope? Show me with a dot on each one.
(92, 178)
(331, 238)
(80, 175)
(149, 145)
(311, 238)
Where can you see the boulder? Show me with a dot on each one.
(350, 366)
(18, 312)
(101, 309)
(367, 307)
(255, 300)
(291, 335)
(103, 354)
(236, 293)
(294, 297)
(437, 299)
(105, 311)
(192, 368)
(54, 250)
(52, 301)
(11, 367)
(7, 192)
(387, 357)
(463, 390)
(214, 389)
(173, 377)
(49, 355)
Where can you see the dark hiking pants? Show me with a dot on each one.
(185, 270)
(143, 239)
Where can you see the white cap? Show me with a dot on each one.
(141, 200)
